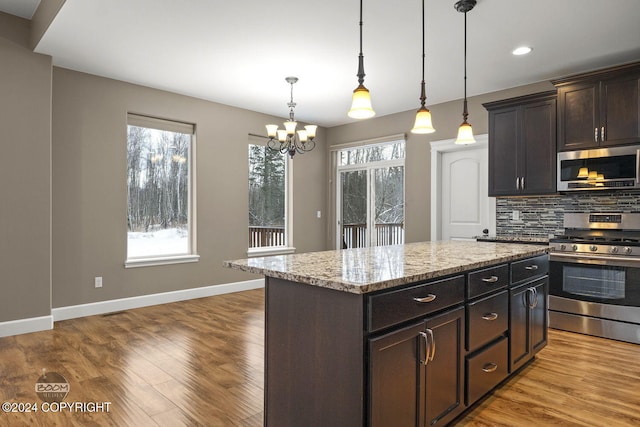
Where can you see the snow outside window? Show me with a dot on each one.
(160, 215)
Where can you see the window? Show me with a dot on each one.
(370, 195)
(269, 228)
(160, 215)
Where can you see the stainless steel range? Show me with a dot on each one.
(595, 276)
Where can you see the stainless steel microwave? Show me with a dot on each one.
(616, 168)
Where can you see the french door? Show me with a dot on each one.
(370, 204)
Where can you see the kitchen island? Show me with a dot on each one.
(398, 335)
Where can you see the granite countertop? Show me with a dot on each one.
(515, 238)
(364, 270)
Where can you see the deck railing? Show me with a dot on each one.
(354, 235)
(260, 237)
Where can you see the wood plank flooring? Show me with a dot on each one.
(200, 363)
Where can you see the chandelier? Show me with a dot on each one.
(288, 140)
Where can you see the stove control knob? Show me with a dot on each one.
(574, 247)
(614, 249)
(627, 250)
(593, 248)
(563, 247)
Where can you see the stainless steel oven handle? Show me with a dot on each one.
(638, 166)
(613, 261)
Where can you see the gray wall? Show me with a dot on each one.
(446, 119)
(25, 173)
(90, 199)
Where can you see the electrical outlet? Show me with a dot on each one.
(98, 282)
(319, 214)
(515, 215)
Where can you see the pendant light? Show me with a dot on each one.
(423, 116)
(465, 133)
(361, 101)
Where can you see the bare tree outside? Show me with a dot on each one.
(158, 192)
(267, 197)
(366, 176)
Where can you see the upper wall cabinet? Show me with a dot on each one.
(599, 109)
(522, 145)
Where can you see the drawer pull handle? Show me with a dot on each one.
(428, 298)
(531, 267)
(492, 279)
(490, 316)
(489, 367)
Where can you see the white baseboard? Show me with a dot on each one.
(102, 307)
(25, 326)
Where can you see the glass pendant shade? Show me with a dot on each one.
(465, 134)
(282, 135)
(311, 131)
(593, 174)
(290, 127)
(423, 122)
(272, 130)
(302, 136)
(361, 104)
(583, 173)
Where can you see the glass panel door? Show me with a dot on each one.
(388, 194)
(353, 221)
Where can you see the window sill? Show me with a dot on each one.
(271, 250)
(148, 262)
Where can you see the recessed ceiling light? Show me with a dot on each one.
(522, 50)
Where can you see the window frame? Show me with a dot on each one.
(175, 126)
(288, 247)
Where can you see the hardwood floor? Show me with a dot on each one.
(200, 363)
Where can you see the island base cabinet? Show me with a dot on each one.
(417, 373)
(527, 321)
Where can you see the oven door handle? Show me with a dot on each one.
(611, 260)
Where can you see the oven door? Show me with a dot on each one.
(605, 280)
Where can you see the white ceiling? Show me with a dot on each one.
(239, 52)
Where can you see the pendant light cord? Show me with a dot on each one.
(361, 56)
(465, 112)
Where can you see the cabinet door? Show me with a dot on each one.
(503, 151)
(396, 375)
(579, 117)
(538, 141)
(539, 318)
(519, 318)
(620, 101)
(444, 389)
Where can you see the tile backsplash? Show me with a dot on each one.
(542, 216)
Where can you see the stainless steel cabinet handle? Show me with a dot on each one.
(535, 298)
(490, 316)
(531, 267)
(425, 339)
(492, 279)
(428, 298)
(522, 183)
(432, 345)
(517, 183)
(490, 367)
(602, 134)
(595, 134)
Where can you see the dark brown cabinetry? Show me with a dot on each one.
(599, 109)
(417, 372)
(528, 321)
(415, 356)
(522, 145)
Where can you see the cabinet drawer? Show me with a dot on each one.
(529, 268)
(393, 307)
(487, 319)
(487, 280)
(486, 370)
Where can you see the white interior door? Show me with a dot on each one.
(463, 209)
